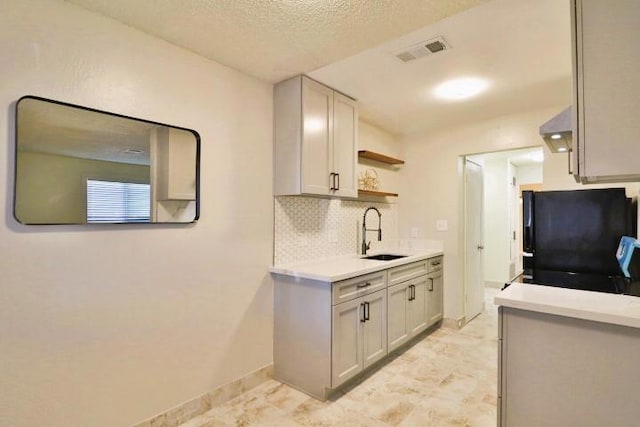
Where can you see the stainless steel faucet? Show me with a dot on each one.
(365, 245)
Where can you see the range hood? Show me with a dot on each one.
(557, 131)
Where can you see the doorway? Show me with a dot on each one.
(493, 255)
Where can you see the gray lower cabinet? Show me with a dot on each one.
(327, 333)
(359, 335)
(407, 311)
(563, 371)
(435, 306)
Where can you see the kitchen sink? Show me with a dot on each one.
(384, 257)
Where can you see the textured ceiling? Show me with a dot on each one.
(47, 127)
(522, 47)
(273, 40)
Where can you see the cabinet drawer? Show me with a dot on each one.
(407, 272)
(349, 289)
(434, 264)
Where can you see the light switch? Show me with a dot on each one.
(442, 225)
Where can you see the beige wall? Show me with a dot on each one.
(52, 189)
(375, 139)
(109, 325)
(432, 177)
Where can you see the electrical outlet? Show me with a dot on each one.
(414, 232)
(442, 225)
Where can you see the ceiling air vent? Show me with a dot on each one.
(422, 49)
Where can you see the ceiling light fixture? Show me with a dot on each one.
(556, 136)
(460, 89)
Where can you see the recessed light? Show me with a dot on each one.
(561, 149)
(459, 89)
(556, 136)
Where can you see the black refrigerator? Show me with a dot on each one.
(575, 231)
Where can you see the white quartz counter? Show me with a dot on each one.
(597, 306)
(334, 269)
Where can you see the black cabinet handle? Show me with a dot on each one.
(332, 178)
(412, 292)
(366, 285)
(430, 284)
(366, 310)
(337, 186)
(363, 318)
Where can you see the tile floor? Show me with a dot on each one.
(447, 379)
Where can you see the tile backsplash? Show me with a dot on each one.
(308, 228)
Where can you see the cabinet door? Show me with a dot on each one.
(434, 298)
(317, 137)
(345, 145)
(375, 328)
(608, 88)
(398, 315)
(418, 306)
(346, 348)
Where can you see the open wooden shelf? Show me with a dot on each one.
(365, 154)
(376, 193)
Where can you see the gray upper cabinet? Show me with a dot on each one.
(606, 61)
(316, 140)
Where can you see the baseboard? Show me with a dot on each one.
(453, 323)
(498, 285)
(203, 403)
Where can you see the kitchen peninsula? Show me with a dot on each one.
(567, 357)
(336, 318)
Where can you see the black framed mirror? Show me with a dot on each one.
(78, 165)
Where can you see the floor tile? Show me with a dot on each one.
(447, 379)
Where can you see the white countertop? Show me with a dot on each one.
(597, 306)
(340, 268)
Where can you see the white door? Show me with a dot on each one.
(474, 242)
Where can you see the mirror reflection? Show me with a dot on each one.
(76, 165)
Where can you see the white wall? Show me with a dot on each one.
(530, 174)
(373, 138)
(432, 178)
(109, 325)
